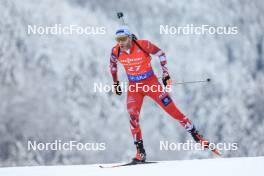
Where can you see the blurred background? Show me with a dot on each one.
(46, 81)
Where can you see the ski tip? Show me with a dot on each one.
(217, 152)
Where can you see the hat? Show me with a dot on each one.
(122, 31)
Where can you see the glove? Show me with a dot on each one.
(117, 88)
(166, 79)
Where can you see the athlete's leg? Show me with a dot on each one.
(166, 102)
(134, 103)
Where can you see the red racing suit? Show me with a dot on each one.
(137, 64)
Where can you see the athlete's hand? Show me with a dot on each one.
(117, 88)
(166, 79)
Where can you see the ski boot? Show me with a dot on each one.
(141, 154)
(204, 142)
(199, 138)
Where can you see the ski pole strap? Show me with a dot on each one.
(138, 45)
(134, 39)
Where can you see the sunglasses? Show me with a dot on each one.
(121, 38)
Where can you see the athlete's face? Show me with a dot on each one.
(124, 42)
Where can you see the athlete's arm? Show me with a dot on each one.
(113, 66)
(153, 49)
(113, 70)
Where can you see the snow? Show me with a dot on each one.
(213, 167)
(46, 82)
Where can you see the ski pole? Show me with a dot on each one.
(190, 82)
(120, 15)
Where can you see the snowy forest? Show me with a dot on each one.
(47, 81)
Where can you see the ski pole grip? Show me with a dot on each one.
(120, 15)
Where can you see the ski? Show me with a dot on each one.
(216, 152)
(132, 163)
